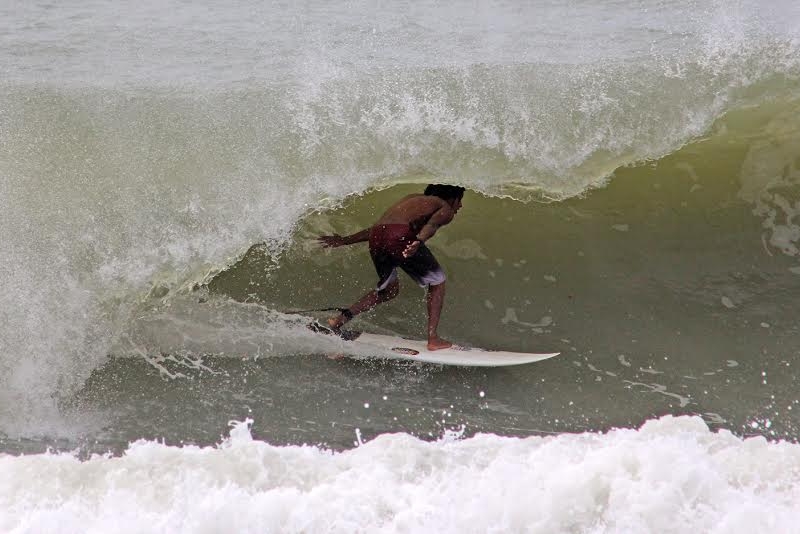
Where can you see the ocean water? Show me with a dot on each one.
(633, 194)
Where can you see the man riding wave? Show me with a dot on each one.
(398, 239)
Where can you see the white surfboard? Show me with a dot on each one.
(391, 347)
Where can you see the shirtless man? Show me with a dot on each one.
(398, 240)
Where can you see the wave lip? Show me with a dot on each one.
(671, 475)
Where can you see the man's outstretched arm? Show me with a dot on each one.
(336, 240)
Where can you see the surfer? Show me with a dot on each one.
(398, 239)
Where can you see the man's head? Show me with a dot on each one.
(451, 194)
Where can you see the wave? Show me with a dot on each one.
(115, 199)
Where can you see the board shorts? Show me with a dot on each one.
(386, 245)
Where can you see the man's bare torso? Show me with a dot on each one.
(414, 210)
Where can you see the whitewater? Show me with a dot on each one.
(672, 475)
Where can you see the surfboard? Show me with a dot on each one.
(398, 348)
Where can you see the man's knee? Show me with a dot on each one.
(390, 291)
(435, 288)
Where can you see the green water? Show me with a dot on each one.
(662, 290)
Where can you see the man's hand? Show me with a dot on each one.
(412, 248)
(336, 240)
(331, 241)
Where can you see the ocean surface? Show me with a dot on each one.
(633, 201)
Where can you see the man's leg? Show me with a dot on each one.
(366, 303)
(435, 299)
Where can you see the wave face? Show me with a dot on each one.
(139, 159)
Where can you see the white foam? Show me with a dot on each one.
(672, 475)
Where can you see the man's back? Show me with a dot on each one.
(415, 210)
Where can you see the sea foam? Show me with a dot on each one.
(671, 475)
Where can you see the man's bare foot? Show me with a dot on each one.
(437, 343)
(319, 328)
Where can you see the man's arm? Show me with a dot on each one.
(440, 217)
(335, 240)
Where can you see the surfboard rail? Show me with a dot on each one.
(393, 347)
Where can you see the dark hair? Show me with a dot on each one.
(445, 192)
